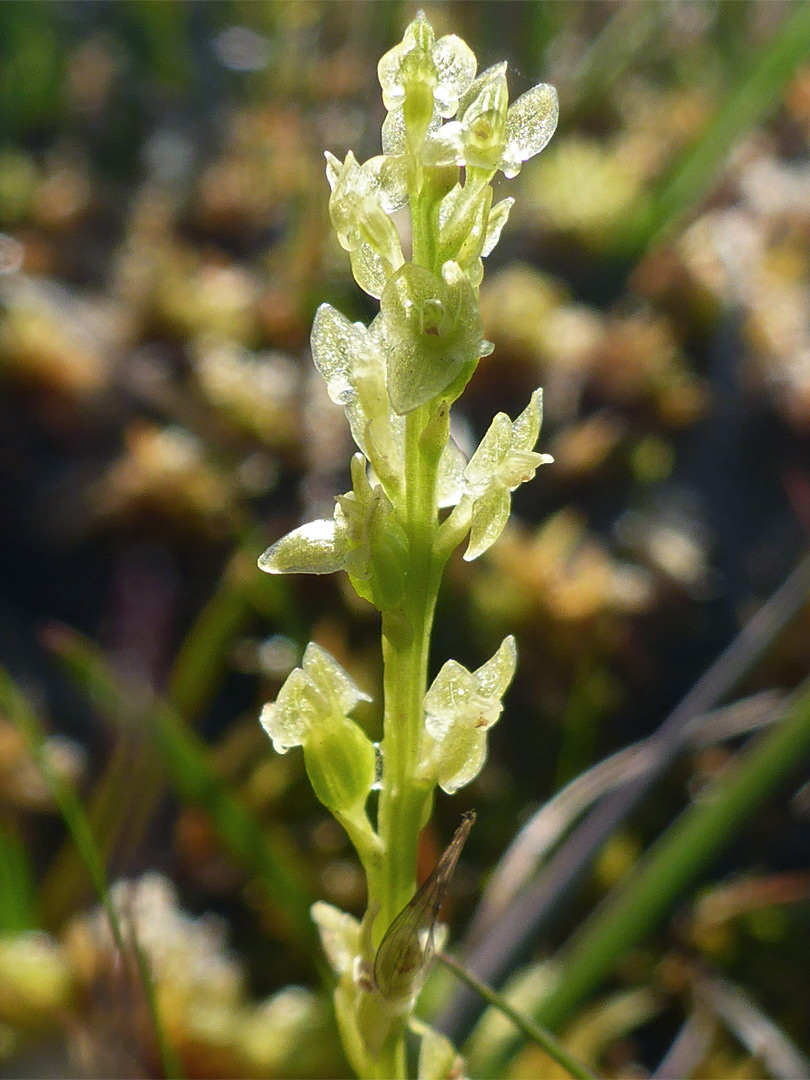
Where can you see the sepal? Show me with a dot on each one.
(319, 547)
(531, 120)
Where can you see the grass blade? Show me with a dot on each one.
(636, 907)
(186, 759)
(17, 893)
(555, 1050)
(751, 99)
(25, 720)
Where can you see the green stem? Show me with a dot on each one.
(404, 798)
(406, 644)
(555, 1050)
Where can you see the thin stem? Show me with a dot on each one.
(688, 847)
(402, 799)
(530, 1029)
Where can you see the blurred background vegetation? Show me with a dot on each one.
(165, 242)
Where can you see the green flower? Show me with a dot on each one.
(422, 77)
(447, 66)
(470, 227)
(311, 711)
(362, 198)
(431, 328)
(504, 459)
(351, 360)
(364, 538)
(488, 135)
(460, 707)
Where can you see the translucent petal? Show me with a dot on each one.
(284, 730)
(348, 189)
(451, 475)
(489, 516)
(340, 935)
(389, 176)
(455, 67)
(491, 451)
(449, 699)
(474, 89)
(444, 147)
(299, 704)
(498, 216)
(393, 133)
(526, 429)
(394, 143)
(333, 167)
(461, 758)
(331, 680)
(496, 674)
(370, 270)
(336, 345)
(530, 123)
(315, 548)
(387, 72)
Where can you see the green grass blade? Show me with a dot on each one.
(555, 1050)
(17, 892)
(201, 661)
(118, 810)
(754, 96)
(70, 807)
(636, 907)
(186, 759)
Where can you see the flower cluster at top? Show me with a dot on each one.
(427, 339)
(446, 135)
